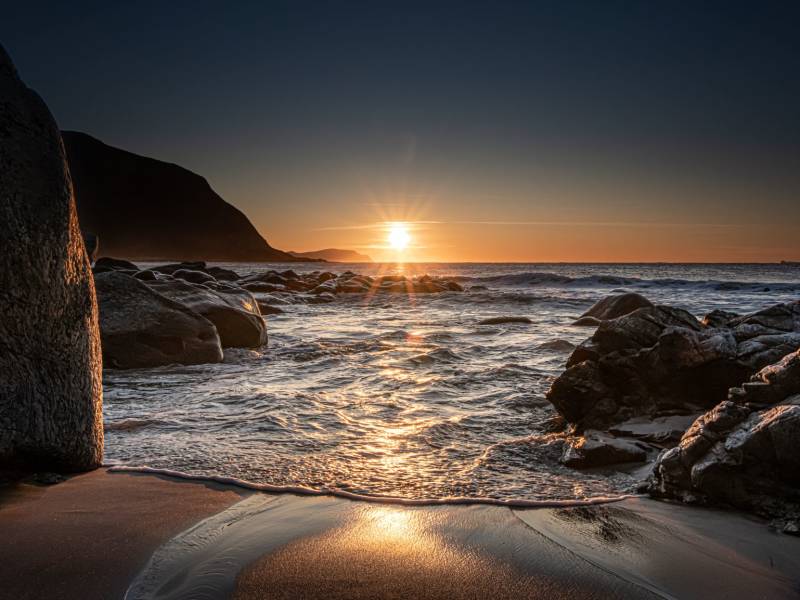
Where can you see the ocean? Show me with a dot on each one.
(408, 396)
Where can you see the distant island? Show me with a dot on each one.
(334, 255)
(144, 208)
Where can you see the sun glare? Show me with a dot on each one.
(398, 236)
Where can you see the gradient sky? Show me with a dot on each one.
(602, 131)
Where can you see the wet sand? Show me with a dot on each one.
(101, 534)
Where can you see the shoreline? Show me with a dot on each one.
(300, 490)
(99, 534)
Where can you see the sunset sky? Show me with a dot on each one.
(522, 132)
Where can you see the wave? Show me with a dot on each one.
(375, 499)
(535, 278)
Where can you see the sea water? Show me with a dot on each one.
(407, 396)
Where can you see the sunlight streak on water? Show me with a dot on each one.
(408, 397)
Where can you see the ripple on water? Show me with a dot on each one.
(405, 396)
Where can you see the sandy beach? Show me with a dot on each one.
(105, 534)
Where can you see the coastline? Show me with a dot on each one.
(102, 533)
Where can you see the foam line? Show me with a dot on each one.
(307, 491)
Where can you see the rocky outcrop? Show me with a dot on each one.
(233, 311)
(141, 328)
(50, 364)
(146, 208)
(612, 307)
(659, 361)
(743, 452)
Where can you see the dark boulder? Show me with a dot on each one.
(505, 320)
(193, 276)
(743, 452)
(616, 305)
(233, 311)
(659, 361)
(145, 275)
(719, 318)
(169, 269)
(142, 328)
(107, 263)
(50, 363)
(221, 274)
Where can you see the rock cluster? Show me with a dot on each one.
(660, 361)
(743, 452)
(187, 312)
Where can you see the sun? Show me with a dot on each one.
(398, 236)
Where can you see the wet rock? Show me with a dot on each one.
(659, 361)
(596, 449)
(504, 320)
(587, 322)
(615, 306)
(221, 274)
(172, 267)
(660, 430)
(719, 318)
(743, 452)
(233, 311)
(557, 345)
(50, 371)
(146, 275)
(192, 276)
(260, 286)
(141, 328)
(268, 309)
(107, 263)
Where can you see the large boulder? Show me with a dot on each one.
(743, 452)
(142, 328)
(234, 311)
(612, 307)
(660, 361)
(50, 363)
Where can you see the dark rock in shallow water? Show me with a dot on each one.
(233, 311)
(661, 360)
(221, 274)
(616, 305)
(596, 449)
(107, 263)
(743, 452)
(192, 276)
(50, 369)
(141, 328)
(504, 320)
(169, 269)
(146, 275)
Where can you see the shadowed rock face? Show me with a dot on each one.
(659, 361)
(50, 366)
(743, 452)
(146, 208)
(141, 328)
(233, 311)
